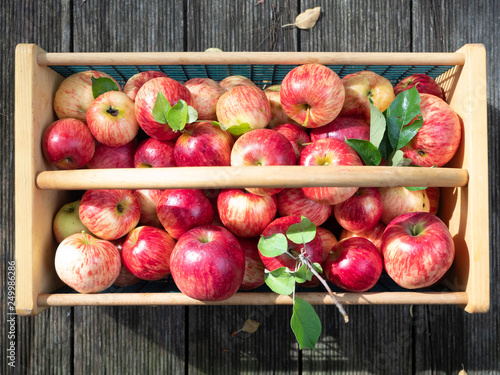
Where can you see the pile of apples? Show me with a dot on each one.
(208, 239)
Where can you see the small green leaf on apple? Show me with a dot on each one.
(177, 116)
(273, 246)
(305, 324)
(239, 129)
(102, 85)
(377, 125)
(303, 232)
(280, 281)
(302, 274)
(161, 108)
(366, 150)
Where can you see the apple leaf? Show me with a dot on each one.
(302, 274)
(317, 267)
(250, 326)
(402, 110)
(366, 150)
(377, 125)
(303, 232)
(409, 131)
(238, 129)
(273, 246)
(161, 108)
(280, 281)
(101, 85)
(413, 188)
(192, 115)
(177, 116)
(305, 324)
(397, 159)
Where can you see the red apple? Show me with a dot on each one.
(329, 152)
(148, 200)
(418, 249)
(313, 249)
(361, 211)
(362, 86)
(254, 268)
(113, 157)
(293, 202)
(245, 214)
(68, 144)
(145, 101)
(110, 213)
(261, 147)
(424, 84)
(243, 106)
(152, 153)
(146, 253)
(205, 92)
(74, 95)
(87, 264)
(399, 200)
(296, 135)
(125, 278)
(203, 144)
(180, 210)
(438, 139)
(342, 128)
(234, 81)
(312, 95)
(355, 265)
(433, 193)
(278, 115)
(67, 221)
(135, 82)
(111, 119)
(373, 234)
(208, 264)
(328, 241)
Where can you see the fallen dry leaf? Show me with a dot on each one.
(250, 326)
(306, 19)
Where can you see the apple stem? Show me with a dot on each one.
(325, 284)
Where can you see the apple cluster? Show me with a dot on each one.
(207, 240)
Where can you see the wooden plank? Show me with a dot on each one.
(122, 340)
(48, 336)
(377, 339)
(129, 340)
(240, 26)
(469, 341)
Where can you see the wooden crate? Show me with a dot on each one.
(40, 190)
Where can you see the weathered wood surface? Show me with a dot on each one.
(379, 340)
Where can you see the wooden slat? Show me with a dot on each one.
(230, 177)
(223, 58)
(470, 341)
(257, 298)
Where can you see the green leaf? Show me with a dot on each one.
(402, 110)
(377, 125)
(366, 150)
(238, 129)
(408, 132)
(317, 267)
(102, 85)
(303, 232)
(177, 116)
(161, 108)
(273, 246)
(385, 147)
(398, 160)
(192, 115)
(305, 324)
(280, 281)
(412, 188)
(301, 274)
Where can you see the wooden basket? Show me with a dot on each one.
(41, 191)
